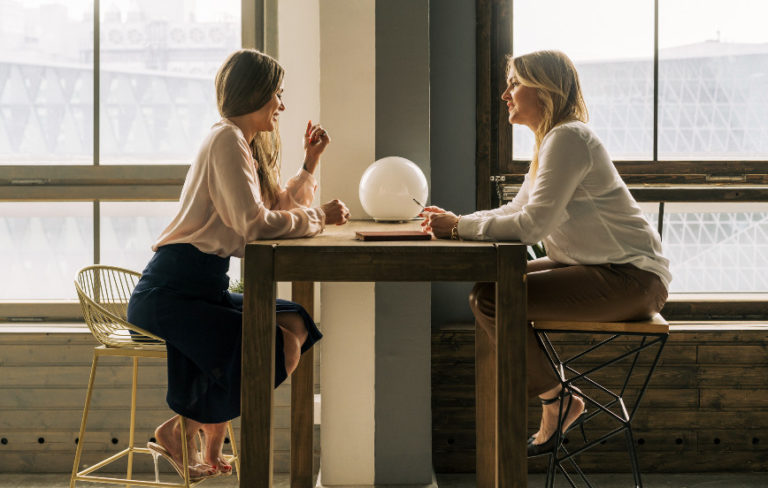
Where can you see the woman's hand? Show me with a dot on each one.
(335, 212)
(426, 214)
(439, 221)
(316, 139)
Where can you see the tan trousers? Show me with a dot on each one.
(605, 293)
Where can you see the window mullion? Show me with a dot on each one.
(96, 78)
(656, 80)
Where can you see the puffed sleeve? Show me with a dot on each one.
(299, 191)
(234, 188)
(564, 160)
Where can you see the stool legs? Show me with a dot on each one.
(568, 374)
(89, 474)
(184, 449)
(81, 435)
(235, 457)
(132, 429)
(633, 456)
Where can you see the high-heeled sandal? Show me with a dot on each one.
(226, 468)
(549, 446)
(157, 451)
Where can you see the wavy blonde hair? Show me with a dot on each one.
(556, 81)
(246, 81)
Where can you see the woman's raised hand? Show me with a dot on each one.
(316, 139)
(335, 212)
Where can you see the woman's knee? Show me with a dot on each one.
(481, 296)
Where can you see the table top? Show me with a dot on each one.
(335, 255)
(344, 235)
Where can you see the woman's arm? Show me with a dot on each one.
(564, 160)
(300, 190)
(234, 190)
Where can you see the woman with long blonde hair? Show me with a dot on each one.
(232, 195)
(604, 260)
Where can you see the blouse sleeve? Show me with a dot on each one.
(299, 191)
(234, 188)
(564, 160)
(509, 208)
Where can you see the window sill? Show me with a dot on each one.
(43, 328)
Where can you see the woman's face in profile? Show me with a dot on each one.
(267, 116)
(522, 103)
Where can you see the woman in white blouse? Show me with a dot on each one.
(603, 261)
(231, 195)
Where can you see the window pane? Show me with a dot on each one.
(42, 245)
(713, 80)
(129, 229)
(614, 60)
(717, 247)
(158, 61)
(46, 82)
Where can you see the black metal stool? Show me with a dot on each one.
(605, 368)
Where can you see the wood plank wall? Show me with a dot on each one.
(43, 380)
(706, 408)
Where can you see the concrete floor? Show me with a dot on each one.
(707, 480)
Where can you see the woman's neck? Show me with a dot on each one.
(246, 126)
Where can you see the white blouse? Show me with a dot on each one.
(578, 206)
(221, 207)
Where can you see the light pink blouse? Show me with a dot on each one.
(221, 208)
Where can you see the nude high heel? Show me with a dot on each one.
(549, 445)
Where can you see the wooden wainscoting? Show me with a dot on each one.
(43, 379)
(706, 408)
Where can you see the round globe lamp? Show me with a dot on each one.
(390, 189)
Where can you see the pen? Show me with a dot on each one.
(417, 203)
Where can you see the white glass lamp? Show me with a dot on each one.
(390, 189)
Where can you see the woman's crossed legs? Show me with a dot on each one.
(562, 292)
(211, 460)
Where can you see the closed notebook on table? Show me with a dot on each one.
(393, 235)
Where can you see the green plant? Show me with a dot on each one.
(536, 251)
(236, 286)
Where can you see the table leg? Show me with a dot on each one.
(511, 400)
(258, 367)
(302, 400)
(485, 409)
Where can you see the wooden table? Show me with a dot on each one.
(336, 256)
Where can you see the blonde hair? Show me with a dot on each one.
(556, 81)
(246, 82)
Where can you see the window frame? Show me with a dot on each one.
(98, 183)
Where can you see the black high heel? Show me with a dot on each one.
(549, 446)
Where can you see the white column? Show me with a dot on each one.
(347, 94)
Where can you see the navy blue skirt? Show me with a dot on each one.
(182, 297)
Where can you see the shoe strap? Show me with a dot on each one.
(550, 401)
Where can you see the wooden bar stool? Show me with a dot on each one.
(601, 372)
(104, 292)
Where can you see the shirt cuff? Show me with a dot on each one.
(321, 216)
(469, 228)
(305, 175)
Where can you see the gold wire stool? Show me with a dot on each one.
(104, 292)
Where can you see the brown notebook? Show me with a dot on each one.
(393, 235)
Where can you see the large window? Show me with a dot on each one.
(99, 119)
(678, 92)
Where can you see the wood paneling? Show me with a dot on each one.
(707, 403)
(43, 378)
